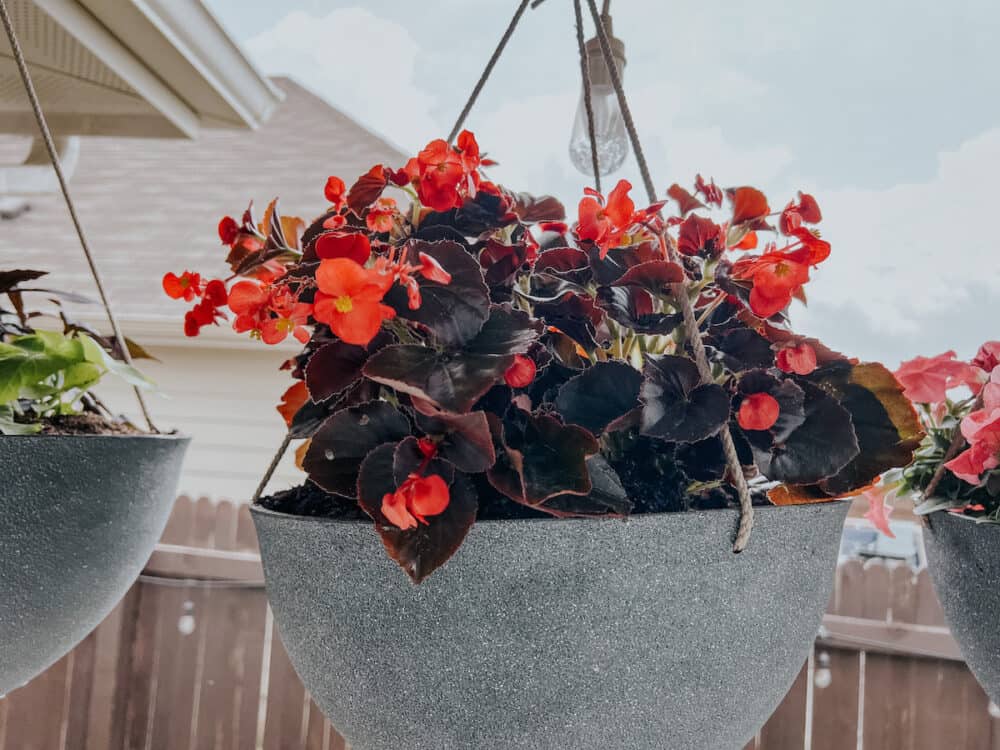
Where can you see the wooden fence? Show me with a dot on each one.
(190, 661)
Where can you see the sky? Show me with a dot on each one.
(887, 112)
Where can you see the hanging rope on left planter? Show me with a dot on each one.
(46, 134)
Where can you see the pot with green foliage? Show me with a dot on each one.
(84, 497)
(508, 403)
(955, 477)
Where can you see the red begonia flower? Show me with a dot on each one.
(350, 300)
(711, 192)
(187, 286)
(336, 221)
(287, 321)
(800, 359)
(292, 400)
(749, 242)
(353, 245)
(441, 171)
(229, 230)
(698, 234)
(521, 372)
(776, 276)
(381, 215)
(790, 219)
(469, 150)
(430, 269)
(417, 498)
(605, 224)
(926, 380)
(335, 192)
(749, 204)
(808, 209)
(759, 411)
(819, 250)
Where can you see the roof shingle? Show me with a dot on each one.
(152, 205)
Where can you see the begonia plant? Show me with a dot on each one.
(468, 353)
(957, 467)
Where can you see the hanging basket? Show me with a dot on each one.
(624, 635)
(79, 517)
(963, 558)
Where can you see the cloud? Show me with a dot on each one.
(364, 64)
(918, 261)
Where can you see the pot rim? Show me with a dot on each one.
(258, 509)
(92, 436)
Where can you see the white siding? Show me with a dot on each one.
(224, 398)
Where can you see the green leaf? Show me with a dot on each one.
(8, 426)
(96, 354)
(28, 360)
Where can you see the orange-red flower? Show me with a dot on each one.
(229, 230)
(336, 192)
(380, 216)
(349, 299)
(759, 411)
(292, 400)
(776, 276)
(441, 172)
(353, 245)
(800, 359)
(187, 286)
(417, 498)
(206, 312)
(606, 224)
(521, 372)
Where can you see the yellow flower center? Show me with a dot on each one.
(344, 304)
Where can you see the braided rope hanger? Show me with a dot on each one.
(50, 146)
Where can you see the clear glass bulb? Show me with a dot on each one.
(609, 131)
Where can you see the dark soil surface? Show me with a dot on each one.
(87, 424)
(309, 500)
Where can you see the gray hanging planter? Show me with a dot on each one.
(963, 558)
(544, 634)
(79, 516)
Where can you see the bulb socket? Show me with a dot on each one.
(598, 69)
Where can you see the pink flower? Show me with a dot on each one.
(988, 356)
(982, 429)
(926, 380)
(879, 509)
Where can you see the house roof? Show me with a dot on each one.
(129, 67)
(152, 205)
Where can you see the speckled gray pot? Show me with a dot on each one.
(555, 634)
(79, 516)
(964, 562)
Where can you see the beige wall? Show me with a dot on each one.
(224, 398)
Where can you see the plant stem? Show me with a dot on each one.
(957, 441)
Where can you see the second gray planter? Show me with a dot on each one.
(79, 517)
(963, 558)
(555, 634)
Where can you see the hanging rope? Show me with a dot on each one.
(489, 69)
(588, 102)
(680, 292)
(43, 126)
(272, 468)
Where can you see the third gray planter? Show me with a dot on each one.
(555, 634)
(79, 517)
(963, 558)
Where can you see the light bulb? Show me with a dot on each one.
(609, 125)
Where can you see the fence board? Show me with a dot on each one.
(835, 705)
(787, 725)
